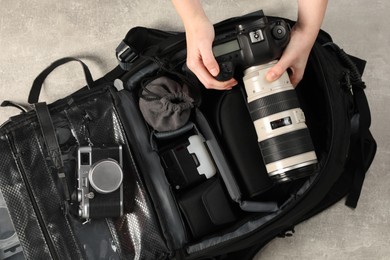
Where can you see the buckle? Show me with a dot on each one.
(125, 54)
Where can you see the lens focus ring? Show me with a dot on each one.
(273, 104)
(286, 145)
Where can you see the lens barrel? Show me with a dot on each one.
(283, 137)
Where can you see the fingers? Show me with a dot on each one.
(209, 81)
(276, 71)
(294, 58)
(205, 67)
(284, 64)
(200, 57)
(209, 61)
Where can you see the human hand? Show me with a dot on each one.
(294, 57)
(200, 58)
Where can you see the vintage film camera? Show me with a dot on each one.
(9, 242)
(283, 137)
(99, 182)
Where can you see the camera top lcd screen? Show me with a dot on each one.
(226, 48)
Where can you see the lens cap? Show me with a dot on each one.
(106, 176)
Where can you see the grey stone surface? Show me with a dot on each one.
(34, 33)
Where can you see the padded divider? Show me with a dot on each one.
(152, 171)
(234, 120)
(219, 157)
(226, 172)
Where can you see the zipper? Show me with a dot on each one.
(315, 181)
(48, 240)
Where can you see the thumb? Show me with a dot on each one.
(276, 71)
(209, 61)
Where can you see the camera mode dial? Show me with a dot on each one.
(279, 31)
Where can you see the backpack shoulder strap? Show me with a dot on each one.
(363, 145)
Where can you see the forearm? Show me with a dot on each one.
(310, 16)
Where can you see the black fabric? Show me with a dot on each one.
(364, 155)
(364, 149)
(53, 149)
(133, 45)
(206, 208)
(344, 184)
(33, 200)
(37, 84)
(238, 134)
(363, 145)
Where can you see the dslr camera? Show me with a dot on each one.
(252, 43)
(283, 137)
(99, 182)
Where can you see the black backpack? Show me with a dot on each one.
(223, 217)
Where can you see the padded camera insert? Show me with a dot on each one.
(239, 135)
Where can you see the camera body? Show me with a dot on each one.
(99, 182)
(283, 137)
(252, 43)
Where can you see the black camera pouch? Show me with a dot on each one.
(206, 208)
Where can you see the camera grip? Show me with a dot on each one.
(226, 71)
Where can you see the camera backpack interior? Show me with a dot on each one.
(166, 216)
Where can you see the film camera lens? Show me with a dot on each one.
(283, 136)
(103, 182)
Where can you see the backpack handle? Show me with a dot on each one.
(38, 82)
